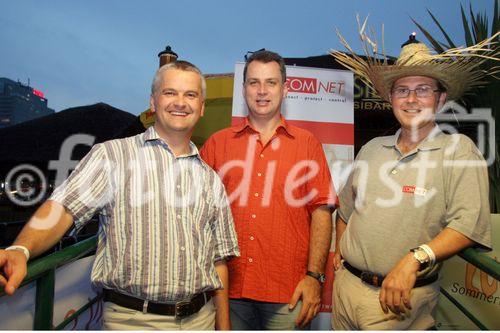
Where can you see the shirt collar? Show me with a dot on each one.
(245, 125)
(151, 135)
(433, 141)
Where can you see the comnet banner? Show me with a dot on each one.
(322, 102)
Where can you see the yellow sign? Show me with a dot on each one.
(474, 289)
(147, 118)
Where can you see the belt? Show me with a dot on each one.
(179, 310)
(376, 280)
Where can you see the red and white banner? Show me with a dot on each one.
(318, 99)
(321, 101)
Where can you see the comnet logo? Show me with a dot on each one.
(309, 85)
(303, 85)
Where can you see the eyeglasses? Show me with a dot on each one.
(420, 92)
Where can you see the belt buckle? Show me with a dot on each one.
(181, 309)
(371, 279)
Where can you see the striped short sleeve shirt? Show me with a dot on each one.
(165, 219)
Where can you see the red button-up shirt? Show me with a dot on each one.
(273, 190)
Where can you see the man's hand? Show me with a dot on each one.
(396, 288)
(14, 269)
(43, 230)
(337, 260)
(309, 290)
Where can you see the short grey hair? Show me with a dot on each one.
(180, 65)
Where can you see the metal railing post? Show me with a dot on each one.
(44, 306)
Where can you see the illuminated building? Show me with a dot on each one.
(19, 103)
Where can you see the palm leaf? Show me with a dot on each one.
(473, 25)
(465, 22)
(444, 45)
(450, 45)
(482, 26)
(495, 26)
(435, 44)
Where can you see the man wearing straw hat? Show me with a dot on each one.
(413, 199)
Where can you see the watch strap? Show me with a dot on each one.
(430, 253)
(318, 276)
(425, 261)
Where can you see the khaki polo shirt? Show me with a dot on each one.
(394, 202)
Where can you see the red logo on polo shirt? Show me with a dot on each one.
(408, 189)
(411, 189)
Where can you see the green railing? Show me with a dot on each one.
(43, 270)
(484, 263)
(481, 261)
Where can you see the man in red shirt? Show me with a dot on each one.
(281, 194)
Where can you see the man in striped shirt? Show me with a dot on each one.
(167, 227)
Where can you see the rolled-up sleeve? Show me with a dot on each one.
(88, 188)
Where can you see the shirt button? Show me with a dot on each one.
(251, 238)
(181, 283)
(259, 174)
(178, 216)
(178, 186)
(183, 248)
(261, 155)
(254, 216)
(256, 194)
(250, 260)
(394, 171)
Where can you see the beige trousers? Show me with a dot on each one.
(356, 306)
(117, 317)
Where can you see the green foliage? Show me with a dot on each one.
(476, 29)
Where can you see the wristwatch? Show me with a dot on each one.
(422, 257)
(318, 276)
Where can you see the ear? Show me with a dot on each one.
(285, 90)
(202, 111)
(441, 101)
(152, 103)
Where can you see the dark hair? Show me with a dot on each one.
(266, 57)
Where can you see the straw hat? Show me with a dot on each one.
(456, 69)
